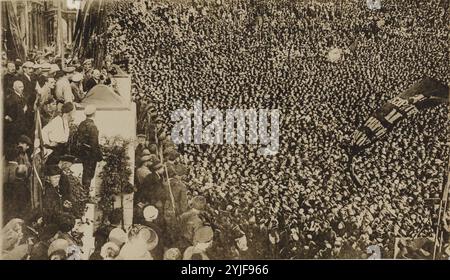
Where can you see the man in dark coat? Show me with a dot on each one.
(65, 181)
(9, 78)
(89, 150)
(29, 91)
(23, 145)
(93, 81)
(151, 189)
(54, 200)
(15, 114)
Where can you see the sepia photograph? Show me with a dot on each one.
(225, 130)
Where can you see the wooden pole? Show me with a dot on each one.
(60, 34)
(27, 30)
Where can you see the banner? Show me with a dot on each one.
(424, 94)
(15, 46)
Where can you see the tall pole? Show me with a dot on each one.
(27, 30)
(60, 34)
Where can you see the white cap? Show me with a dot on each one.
(150, 213)
(90, 109)
(117, 236)
(54, 68)
(77, 77)
(28, 64)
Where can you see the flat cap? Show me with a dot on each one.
(69, 69)
(28, 64)
(46, 66)
(90, 109)
(77, 77)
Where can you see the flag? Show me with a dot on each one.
(427, 93)
(38, 161)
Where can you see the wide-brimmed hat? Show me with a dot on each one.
(28, 64)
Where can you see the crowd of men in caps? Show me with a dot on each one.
(269, 54)
(295, 205)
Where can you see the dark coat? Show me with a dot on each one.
(52, 202)
(89, 150)
(179, 193)
(29, 90)
(14, 108)
(150, 189)
(77, 93)
(65, 187)
(8, 81)
(89, 84)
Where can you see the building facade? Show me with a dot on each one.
(38, 22)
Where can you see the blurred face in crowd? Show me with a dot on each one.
(37, 71)
(96, 74)
(11, 67)
(51, 83)
(87, 66)
(52, 106)
(28, 70)
(18, 87)
(54, 180)
(104, 72)
(141, 140)
(23, 146)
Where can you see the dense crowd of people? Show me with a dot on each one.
(227, 201)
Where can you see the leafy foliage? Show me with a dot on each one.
(115, 174)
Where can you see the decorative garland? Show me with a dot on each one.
(115, 174)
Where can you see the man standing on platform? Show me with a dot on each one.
(89, 149)
(16, 108)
